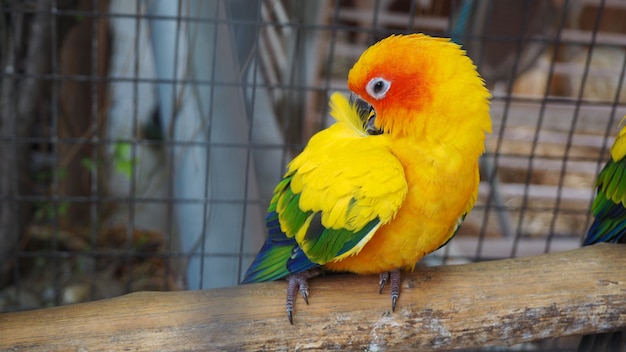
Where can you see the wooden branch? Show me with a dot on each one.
(500, 302)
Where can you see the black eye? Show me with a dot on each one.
(377, 87)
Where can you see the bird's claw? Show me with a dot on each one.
(394, 275)
(382, 281)
(298, 282)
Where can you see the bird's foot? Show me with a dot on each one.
(395, 285)
(298, 282)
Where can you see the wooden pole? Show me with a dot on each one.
(500, 302)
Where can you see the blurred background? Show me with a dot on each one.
(140, 141)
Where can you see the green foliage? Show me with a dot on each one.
(122, 159)
(51, 210)
(122, 162)
(89, 164)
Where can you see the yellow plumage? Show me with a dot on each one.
(436, 120)
(340, 166)
(618, 150)
(376, 199)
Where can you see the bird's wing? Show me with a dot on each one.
(609, 206)
(335, 195)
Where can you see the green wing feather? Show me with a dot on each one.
(335, 195)
(609, 206)
(350, 181)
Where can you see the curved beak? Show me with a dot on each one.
(366, 112)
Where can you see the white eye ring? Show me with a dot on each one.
(377, 87)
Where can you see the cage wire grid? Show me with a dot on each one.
(140, 141)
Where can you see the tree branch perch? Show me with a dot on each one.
(500, 302)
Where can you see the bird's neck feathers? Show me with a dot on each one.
(440, 109)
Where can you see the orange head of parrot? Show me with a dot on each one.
(421, 86)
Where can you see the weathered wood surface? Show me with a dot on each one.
(490, 303)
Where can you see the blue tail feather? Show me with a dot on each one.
(279, 256)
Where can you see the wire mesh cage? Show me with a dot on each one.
(140, 141)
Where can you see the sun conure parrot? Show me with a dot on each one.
(609, 206)
(376, 191)
(609, 225)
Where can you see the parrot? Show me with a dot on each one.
(393, 177)
(609, 205)
(609, 225)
